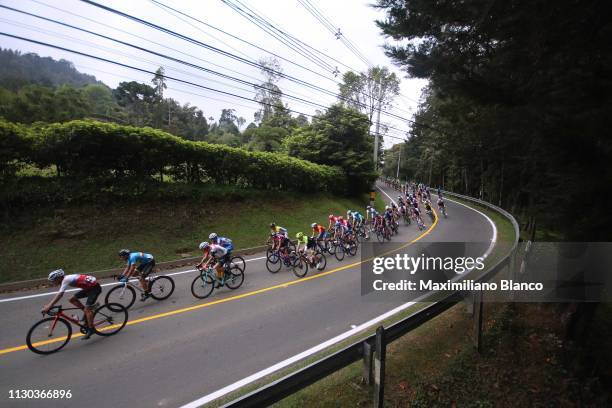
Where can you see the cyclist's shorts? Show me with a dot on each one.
(322, 235)
(224, 259)
(91, 294)
(146, 268)
(312, 244)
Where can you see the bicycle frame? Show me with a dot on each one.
(211, 273)
(60, 314)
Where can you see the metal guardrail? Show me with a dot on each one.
(372, 350)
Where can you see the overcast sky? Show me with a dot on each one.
(355, 18)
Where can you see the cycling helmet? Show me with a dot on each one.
(340, 218)
(272, 225)
(204, 245)
(331, 216)
(299, 235)
(212, 236)
(338, 223)
(124, 253)
(387, 208)
(313, 225)
(349, 212)
(368, 207)
(58, 273)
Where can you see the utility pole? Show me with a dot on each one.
(376, 141)
(376, 138)
(399, 158)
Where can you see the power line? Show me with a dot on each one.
(169, 57)
(274, 27)
(331, 27)
(225, 53)
(160, 4)
(30, 40)
(280, 36)
(193, 65)
(150, 41)
(244, 41)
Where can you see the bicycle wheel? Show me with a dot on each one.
(273, 263)
(202, 286)
(352, 249)
(161, 287)
(339, 253)
(125, 295)
(331, 248)
(109, 319)
(321, 261)
(300, 267)
(238, 262)
(235, 277)
(379, 236)
(46, 337)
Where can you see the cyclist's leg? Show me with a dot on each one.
(144, 271)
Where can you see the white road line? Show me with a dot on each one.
(278, 366)
(383, 191)
(106, 284)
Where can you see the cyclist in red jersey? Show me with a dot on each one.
(332, 221)
(90, 289)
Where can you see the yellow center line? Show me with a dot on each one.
(244, 295)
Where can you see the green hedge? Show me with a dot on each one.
(100, 150)
(15, 147)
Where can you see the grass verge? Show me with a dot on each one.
(86, 237)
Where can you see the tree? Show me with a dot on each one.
(338, 137)
(100, 99)
(370, 91)
(159, 82)
(265, 138)
(522, 109)
(301, 120)
(268, 94)
(138, 99)
(240, 122)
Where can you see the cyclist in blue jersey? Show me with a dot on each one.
(137, 262)
(357, 219)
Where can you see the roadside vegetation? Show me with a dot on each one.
(86, 237)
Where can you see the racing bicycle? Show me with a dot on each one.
(52, 333)
(160, 288)
(303, 261)
(206, 281)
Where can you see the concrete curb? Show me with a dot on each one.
(106, 273)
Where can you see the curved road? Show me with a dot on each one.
(179, 350)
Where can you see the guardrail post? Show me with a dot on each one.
(368, 354)
(469, 303)
(478, 320)
(379, 367)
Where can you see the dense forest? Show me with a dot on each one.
(518, 106)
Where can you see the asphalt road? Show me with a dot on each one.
(181, 349)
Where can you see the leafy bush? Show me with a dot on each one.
(15, 148)
(104, 151)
